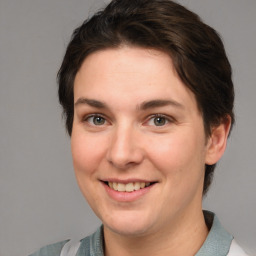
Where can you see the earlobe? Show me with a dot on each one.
(217, 142)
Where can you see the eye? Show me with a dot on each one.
(96, 120)
(158, 120)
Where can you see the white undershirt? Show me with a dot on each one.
(236, 250)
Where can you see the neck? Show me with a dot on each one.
(184, 236)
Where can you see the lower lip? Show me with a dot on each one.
(127, 196)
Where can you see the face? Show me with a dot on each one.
(138, 141)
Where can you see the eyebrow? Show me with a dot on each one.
(90, 102)
(143, 106)
(160, 103)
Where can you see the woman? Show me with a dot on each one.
(148, 97)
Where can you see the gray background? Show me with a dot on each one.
(40, 202)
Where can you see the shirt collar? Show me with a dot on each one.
(218, 240)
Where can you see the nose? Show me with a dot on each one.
(125, 149)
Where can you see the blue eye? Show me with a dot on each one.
(158, 121)
(96, 120)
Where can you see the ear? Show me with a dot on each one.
(217, 141)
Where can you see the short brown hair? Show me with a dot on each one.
(196, 49)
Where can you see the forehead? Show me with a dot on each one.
(127, 59)
(133, 72)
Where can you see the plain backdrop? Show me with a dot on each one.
(40, 202)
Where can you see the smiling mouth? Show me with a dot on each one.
(129, 187)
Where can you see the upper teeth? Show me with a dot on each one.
(129, 187)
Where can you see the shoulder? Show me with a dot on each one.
(50, 250)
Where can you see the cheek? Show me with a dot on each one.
(86, 151)
(180, 156)
(181, 163)
(170, 149)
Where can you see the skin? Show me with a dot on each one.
(118, 135)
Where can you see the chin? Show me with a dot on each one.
(129, 224)
(128, 230)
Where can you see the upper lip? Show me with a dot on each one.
(126, 181)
